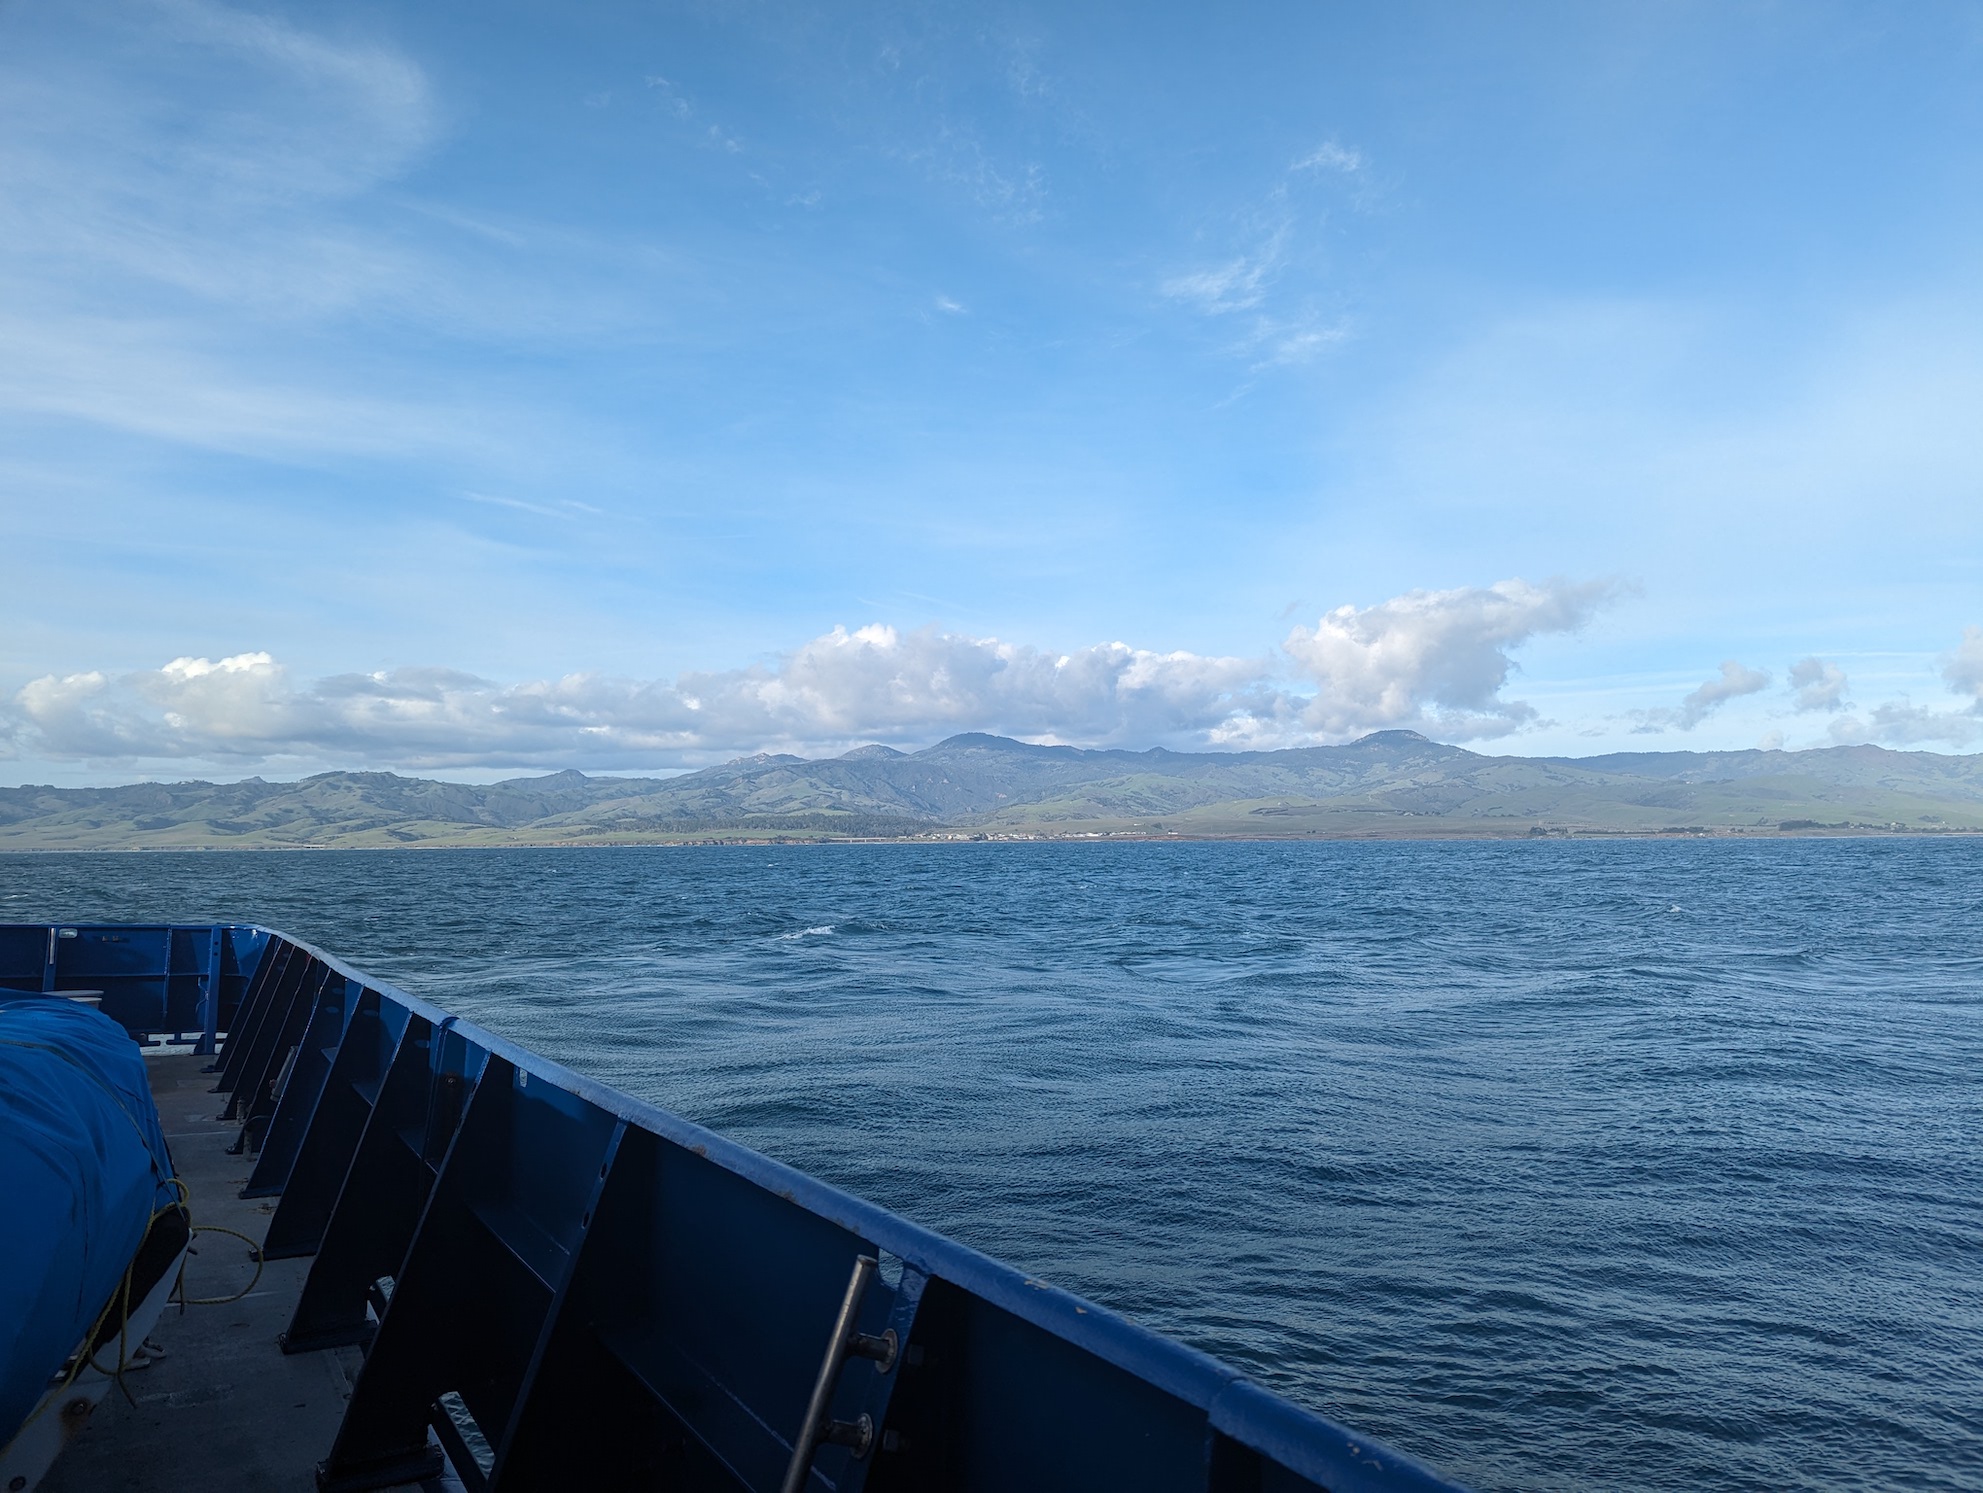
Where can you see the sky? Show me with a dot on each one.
(478, 389)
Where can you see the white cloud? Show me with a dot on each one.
(567, 509)
(1903, 723)
(1273, 286)
(1238, 284)
(216, 186)
(1963, 668)
(1273, 336)
(1819, 685)
(843, 687)
(1290, 343)
(1331, 155)
(182, 211)
(1734, 681)
(956, 156)
(1433, 659)
(369, 102)
(682, 107)
(154, 379)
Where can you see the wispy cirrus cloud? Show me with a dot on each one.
(215, 193)
(566, 509)
(1331, 155)
(1237, 284)
(1268, 289)
(185, 245)
(708, 133)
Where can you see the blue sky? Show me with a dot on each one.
(471, 388)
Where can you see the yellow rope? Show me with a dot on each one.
(122, 1295)
(120, 1301)
(214, 1228)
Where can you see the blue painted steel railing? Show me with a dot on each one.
(175, 981)
(562, 1286)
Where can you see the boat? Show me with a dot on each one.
(538, 1282)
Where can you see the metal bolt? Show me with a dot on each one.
(857, 1435)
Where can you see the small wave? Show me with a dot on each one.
(819, 932)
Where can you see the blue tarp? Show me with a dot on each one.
(83, 1167)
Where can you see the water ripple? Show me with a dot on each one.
(1568, 1165)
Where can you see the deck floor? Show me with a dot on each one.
(225, 1409)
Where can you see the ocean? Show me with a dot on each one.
(1585, 1164)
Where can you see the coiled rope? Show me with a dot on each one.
(120, 1299)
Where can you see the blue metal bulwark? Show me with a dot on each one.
(557, 1284)
(159, 980)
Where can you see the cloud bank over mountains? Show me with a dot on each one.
(1439, 662)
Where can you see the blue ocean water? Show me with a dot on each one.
(1636, 1164)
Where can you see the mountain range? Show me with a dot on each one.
(1392, 783)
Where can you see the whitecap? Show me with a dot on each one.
(803, 933)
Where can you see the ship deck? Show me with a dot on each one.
(225, 1409)
(584, 1287)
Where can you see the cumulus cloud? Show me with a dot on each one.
(240, 706)
(1435, 660)
(1819, 685)
(1734, 681)
(873, 683)
(1963, 668)
(1903, 723)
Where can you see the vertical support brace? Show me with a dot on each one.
(384, 1190)
(295, 1108)
(552, 1318)
(323, 1158)
(210, 999)
(271, 980)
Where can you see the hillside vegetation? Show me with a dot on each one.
(1393, 783)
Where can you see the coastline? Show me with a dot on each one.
(1428, 834)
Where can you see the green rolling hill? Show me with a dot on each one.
(1393, 783)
